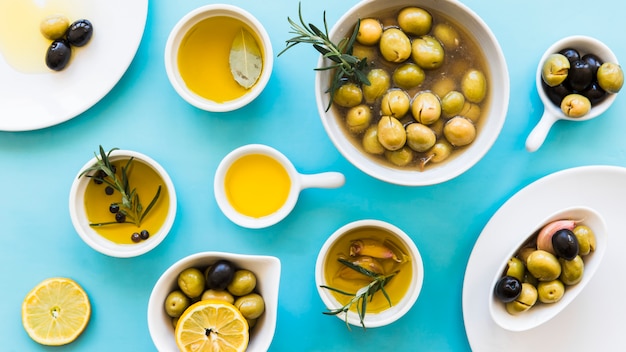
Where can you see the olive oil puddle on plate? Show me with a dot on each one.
(204, 55)
(140, 176)
(22, 46)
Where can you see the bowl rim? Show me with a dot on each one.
(179, 31)
(461, 163)
(397, 311)
(98, 242)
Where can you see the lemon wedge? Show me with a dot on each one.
(56, 311)
(212, 325)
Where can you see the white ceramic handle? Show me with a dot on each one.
(322, 180)
(538, 135)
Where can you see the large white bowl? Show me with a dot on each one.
(489, 130)
(267, 270)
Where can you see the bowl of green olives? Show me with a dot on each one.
(549, 268)
(431, 95)
(230, 277)
(577, 79)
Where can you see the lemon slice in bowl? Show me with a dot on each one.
(56, 311)
(212, 325)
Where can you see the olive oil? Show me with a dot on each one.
(203, 58)
(142, 177)
(397, 287)
(22, 46)
(257, 185)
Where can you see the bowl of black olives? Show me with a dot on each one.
(548, 268)
(246, 283)
(577, 79)
(428, 95)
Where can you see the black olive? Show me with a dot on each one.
(114, 208)
(556, 93)
(135, 237)
(565, 244)
(595, 93)
(220, 275)
(594, 62)
(508, 288)
(79, 33)
(144, 234)
(109, 190)
(580, 75)
(571, 54)
(58, 55)
(120, 217)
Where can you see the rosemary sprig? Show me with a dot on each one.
(347, 66)
(103, 171)
(363, 295)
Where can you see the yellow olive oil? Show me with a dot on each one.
(203, 58)
(142, 177)
(397, 287)
(257, 185)
(22, 46)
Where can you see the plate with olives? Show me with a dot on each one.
(58, 61)
(595, 313)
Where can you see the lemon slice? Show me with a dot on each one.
(212, 325)
(56, 311)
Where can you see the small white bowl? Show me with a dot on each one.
(178, 34)
(398, 309)
(543, 312)
(552, 113)
(267, 270)
(97, 241)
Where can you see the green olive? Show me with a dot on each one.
(363, 51)
(370, 31)
(175, 303)
(555, 69)
(252, 323)
(525, 301)
(543, 265)
(439, 152)
(192, 282)
(586, 239)
(391, 133)
(443, 86)
(415, 21)
(572, 270)
(251, 305)
(427, 52)
(420, 137)
(175, 322)
(550, 291)
(459, 131)
(244, 282)
(379, 84)
(394, 45)
(220, 295)
(348, 95)
(358, 118)
(610, 77)
(575, 105)
(426, 108)
(400, 157)
(370, 141)
(396, 103)
(471, 111)
(53, 27)
(452, 103)
(408, 75)
(474, 86)
(437, 127)
(524, 253)
(447, 35)
(515, 268)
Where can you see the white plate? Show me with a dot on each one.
(592, 322)
(32, 101)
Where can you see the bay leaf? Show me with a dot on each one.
(245, 59)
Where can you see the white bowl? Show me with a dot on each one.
(487, 133)
(97, 241)
(543, 312)
(178, 34)
(552, 113)
(267, 270)
(398, 309)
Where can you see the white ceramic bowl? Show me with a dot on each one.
(97, 241)
(541, 313)
(177, 35)
(267, 270)
(552, 113)
(487, 133)
(398, 309)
